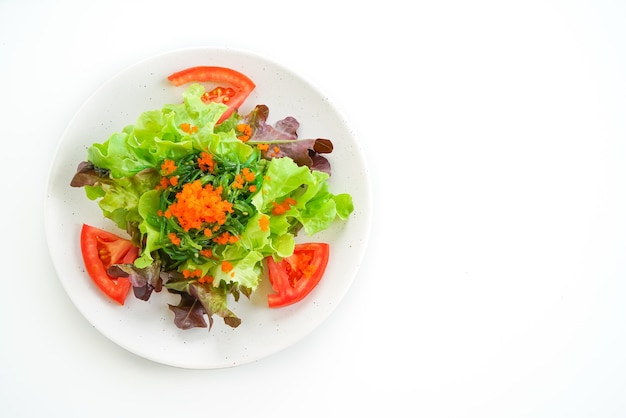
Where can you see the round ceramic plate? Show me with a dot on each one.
(147, 328)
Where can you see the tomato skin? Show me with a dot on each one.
(294, 277)
(101, 249)
(202, 74)
(199, 74)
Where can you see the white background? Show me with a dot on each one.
(494, 281)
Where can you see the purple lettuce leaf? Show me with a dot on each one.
(262, 131)
(282, 140)
(214, 301)
(87, 175)
(189, 313)
(144, 280)
(198, 300)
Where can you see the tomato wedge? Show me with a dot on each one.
(102, 249)
(294, 277)
(241, 85)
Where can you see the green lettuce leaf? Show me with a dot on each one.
(157, 135)
(119, 198)
(149, 227)
(316, 207)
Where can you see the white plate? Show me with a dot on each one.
(147, 328)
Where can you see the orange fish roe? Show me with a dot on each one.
(205, 279)
(275, 151)
(225, 238)
(206, 163)
(174, 180)
(206, 253)
(196, 205)
(245, 130)
(226, 266)
(263, 147)
(168, 167)
(248, 174)
(188, 128)
(164, 183)
(252, 188)
(174, 238)
(284, 206)
(238, 183)
(192, 273)
(264, 222)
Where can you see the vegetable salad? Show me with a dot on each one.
(207, 195)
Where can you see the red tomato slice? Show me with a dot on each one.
(242, 85)
(294, 277)
(102, 249)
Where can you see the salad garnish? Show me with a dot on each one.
(211, 200)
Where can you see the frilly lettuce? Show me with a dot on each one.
(157, 135)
